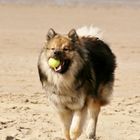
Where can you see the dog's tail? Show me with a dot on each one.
(90, 31)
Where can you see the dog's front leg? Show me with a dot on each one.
(77, 124)
(93, 112)
(65, 117)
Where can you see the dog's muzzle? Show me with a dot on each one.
(64, 62)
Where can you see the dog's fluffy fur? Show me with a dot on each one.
(82, 83)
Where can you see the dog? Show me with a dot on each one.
(83, 81)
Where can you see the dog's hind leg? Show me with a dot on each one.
(77, 123)
(93, 108)
(65, 117)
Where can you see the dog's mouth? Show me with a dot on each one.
(62, 66)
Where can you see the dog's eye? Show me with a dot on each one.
(65, 49)
(52, 48)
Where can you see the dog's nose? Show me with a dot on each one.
(57, 53)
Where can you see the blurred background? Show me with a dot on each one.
(73, 2)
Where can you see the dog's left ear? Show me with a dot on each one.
(51, 34)
(73, 35)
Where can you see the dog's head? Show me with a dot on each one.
(62, 48)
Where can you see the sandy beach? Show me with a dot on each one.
(25, 113)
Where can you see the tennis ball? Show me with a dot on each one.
(53, 62)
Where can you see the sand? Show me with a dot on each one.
(25, 113)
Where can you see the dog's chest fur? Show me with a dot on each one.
(60, 88)
(62, 92)
(68, 100)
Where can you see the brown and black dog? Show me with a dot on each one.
(83, 81)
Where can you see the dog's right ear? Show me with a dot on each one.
(73, 35)
(51, 34)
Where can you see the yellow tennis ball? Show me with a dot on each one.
(53, 62)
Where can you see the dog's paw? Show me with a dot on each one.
(74, 134)
(93, 137)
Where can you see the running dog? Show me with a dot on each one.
(81, 83)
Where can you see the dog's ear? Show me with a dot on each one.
(51, 34)
(73, 35)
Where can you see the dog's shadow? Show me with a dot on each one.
(58, 138)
